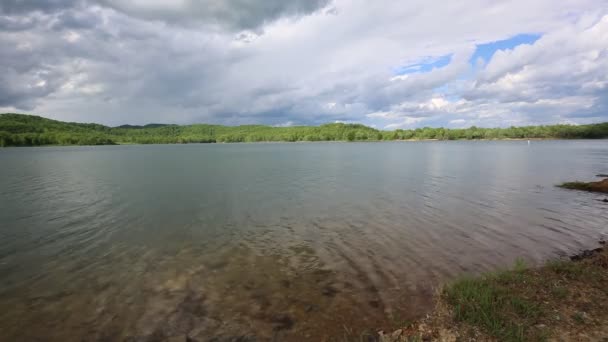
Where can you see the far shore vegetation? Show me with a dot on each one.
(563, 300)
(30, 130)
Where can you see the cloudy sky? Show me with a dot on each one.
(389, 64)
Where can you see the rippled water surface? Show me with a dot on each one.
(295, 241)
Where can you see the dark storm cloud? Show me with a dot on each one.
(232, 14)
(12, 7)
(76, 20)
(20, 90)
(15, 23)
(42, 51)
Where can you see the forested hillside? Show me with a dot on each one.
(29, 130)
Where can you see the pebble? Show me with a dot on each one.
(282, 322)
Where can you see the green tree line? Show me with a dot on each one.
(30, 130)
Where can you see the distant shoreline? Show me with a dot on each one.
(30, 130)
(306, 142)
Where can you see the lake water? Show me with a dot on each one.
(294, 241)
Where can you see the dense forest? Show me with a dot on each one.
(29, 130)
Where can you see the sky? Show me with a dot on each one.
(387, 64)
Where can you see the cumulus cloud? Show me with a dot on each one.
(559, 78)
(244, 61)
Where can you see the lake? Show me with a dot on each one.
(277, 241)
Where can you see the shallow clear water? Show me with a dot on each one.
(294, 241)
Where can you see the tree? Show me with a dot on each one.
(351, 136)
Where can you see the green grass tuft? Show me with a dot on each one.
(579, 317)
(576, 186)
(488, 303)
(566, 268)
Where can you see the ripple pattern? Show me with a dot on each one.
(288, 241)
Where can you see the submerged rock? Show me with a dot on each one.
(282, 322)
(588, 253)
(329, 291)
(311, 308)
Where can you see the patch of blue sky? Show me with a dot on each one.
(426, 65)
(483, 51)
(486, 51)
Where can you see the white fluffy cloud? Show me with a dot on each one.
(304, 62)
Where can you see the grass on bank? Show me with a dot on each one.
(492, 303)
(600, 186)
(576, 186)
(563, 299)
